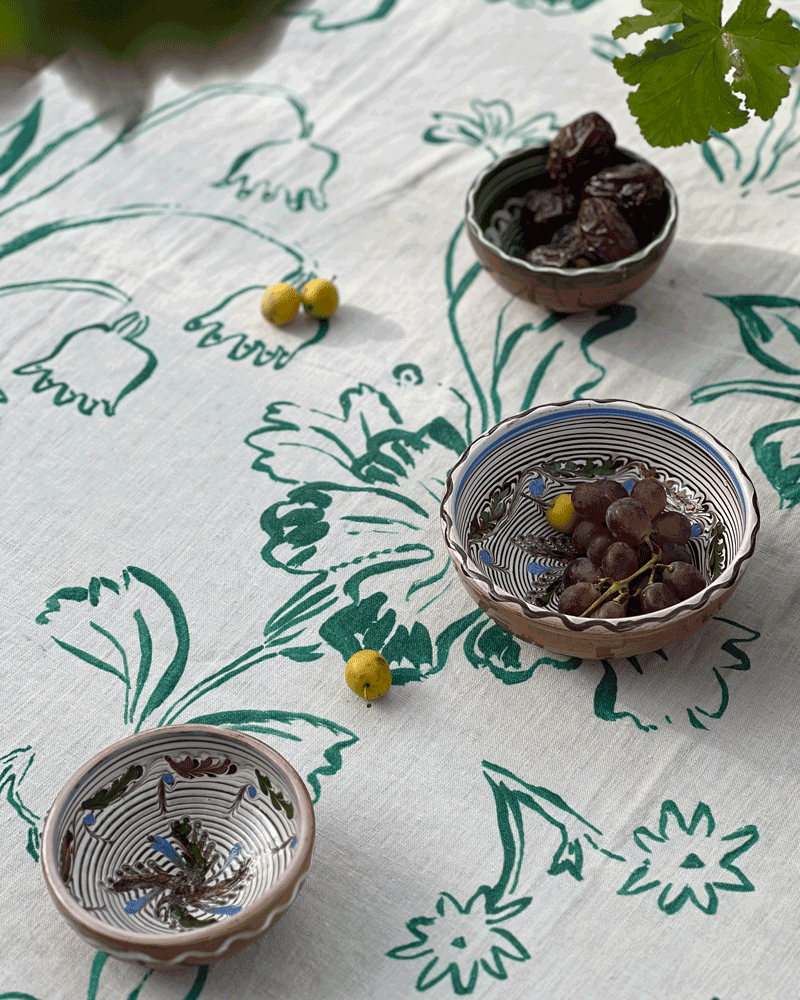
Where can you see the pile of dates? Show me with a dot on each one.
(597, 209)
(632, 555)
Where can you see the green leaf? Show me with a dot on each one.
(768, 453)
(682, 94)
(758, 47)
(662, 12)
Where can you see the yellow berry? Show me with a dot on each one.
(561, 514)
(279, 303)
(368, 674)
(319, 298)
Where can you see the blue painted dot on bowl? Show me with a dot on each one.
(536, 568)
(696, 530)
(629, 484)
(251, 791)
(168, 779)
(293, 843)
(536, 486)
(89, 820)
(485, 556)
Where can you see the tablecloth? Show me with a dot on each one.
(505, 823)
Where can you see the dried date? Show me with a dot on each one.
(545, 211)
(604, 232)
(580, 149)
(628, 185)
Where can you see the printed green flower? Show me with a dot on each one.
(463, 940)
(687, 863)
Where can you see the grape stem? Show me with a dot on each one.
(621, 586)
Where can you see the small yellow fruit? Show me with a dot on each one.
(368, 674)
(319, 298)
(561, 514)
(279, 303)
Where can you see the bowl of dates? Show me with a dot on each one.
(575, 225)
(599, 528)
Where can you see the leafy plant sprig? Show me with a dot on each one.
(682, 91)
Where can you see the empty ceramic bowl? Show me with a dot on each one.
(179, 845)
(494, 202)
(511, 560)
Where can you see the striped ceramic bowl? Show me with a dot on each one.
(511, 560)
(179, 845)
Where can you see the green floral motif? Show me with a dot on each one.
(462, 941)
(491, 126)
(115, 348)
(686, 863)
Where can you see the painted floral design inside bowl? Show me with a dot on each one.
(179, 830)
(511, 559)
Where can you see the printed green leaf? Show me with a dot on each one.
(145, 636)
(770, 327)
(22, 135)
(771, 449)
(682, 93)
(326, 739)
(13, 768)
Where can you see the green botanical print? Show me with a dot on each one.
(463, 941)
(492, 126)
(83, 352)
(36, 161)
(337, 15)
(707, 866)
(95, 973)
(769, 326)
(13, 768)
(551, 6)
(684, 862)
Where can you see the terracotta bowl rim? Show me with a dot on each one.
(206, 942)
(651, 249)
(684, 610)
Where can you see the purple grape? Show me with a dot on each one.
(672, 527)
(580, 570)
(628, 522)
(611, 609)
(577, 598)
(598, 545)
(611, 489)
(588, 501)
(651, 495)
(683, 579)
(656, 597)
(670, 552)
(619, 561)
(583, 533)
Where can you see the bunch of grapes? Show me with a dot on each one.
(632, 557)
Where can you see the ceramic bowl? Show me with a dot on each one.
(510, 559)
(496, 237)
(179, 845)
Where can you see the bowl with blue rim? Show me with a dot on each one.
(179, 845)
(510, 558)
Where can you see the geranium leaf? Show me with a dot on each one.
(682, 93)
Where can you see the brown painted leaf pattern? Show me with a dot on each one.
(193, 767)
